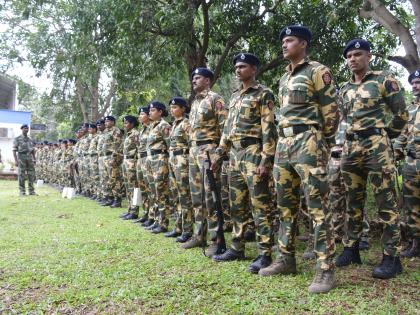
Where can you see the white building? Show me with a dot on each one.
(10, 119)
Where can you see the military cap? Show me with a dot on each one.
(72, 141)
(205, 72)
(45, 142)
(131, 119)
(60, 140)
(110, 118)
(93, 126)
(100, 122)
(414, 75)
(297, 31)
(144, 109)
(85, 125)
(356, 43)
(24, 126)
(64, 141)
(160, 106)
(248, 58)
(180, 101)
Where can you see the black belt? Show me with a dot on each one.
(127, 157)
(336, 154)
(412, 154)
(179, 152)
(94, 154)
(199, 143)
(246, 142)
(293, 130)
(142, 154)
(156, 152)
(108, 153)
(363, 134)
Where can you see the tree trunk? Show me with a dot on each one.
(80, 91)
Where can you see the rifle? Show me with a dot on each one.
(215, 193)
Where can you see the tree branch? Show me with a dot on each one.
(271, 65)
(416, 9)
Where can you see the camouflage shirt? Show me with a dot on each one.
(131, 144)
(178, 138)
(93, 145)
(307, 96)
(158, 136)
(100, 142)
(24, 146)
(376, 102)
(143, 133)
(112, 142)
(207, 116)
(251, 116)
(410, 137)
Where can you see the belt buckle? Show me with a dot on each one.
(149, 152)
(288, 131)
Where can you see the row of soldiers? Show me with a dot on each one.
(296, 157)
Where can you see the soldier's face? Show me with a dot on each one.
(358, 60)
(244, 71)
(143, 118)
(25, 131)
(92, 131)
(128, 125)
(293, 47)
(415, 84)
(101, 127)
(155, 114)
(177, 111)
(200, 83)
(109, 123)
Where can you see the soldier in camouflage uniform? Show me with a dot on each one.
(92, 160)
(112, 153)
(76, 161)
(307, 123)
(207, 118)
(100, 184)
(129, 165)
(24, 155)
(157, 158)
(38, 153)
(409, 142)
(85, 159)
(178, 164)
(368, 101)
(250, 136)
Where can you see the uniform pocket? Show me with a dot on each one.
(318, 180)
(299, 95)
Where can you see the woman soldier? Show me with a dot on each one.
(130, 147)
(157, 159)
(178, 165)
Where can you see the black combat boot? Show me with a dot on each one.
(230, 255)
(159, 229)
(173, 233)
(183, 238)
(107, 202)
(249, 236)
(388, 268)
(141, 220)
(116, 203)
(153, 226)
(350, 255)
(262, 261)
(148, 223)
(413, 250)
(130, 216)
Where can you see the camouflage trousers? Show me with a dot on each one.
(143, 184)
(204, 212)
(76, 175)
(94, 175)
(26, 168)
(153, 212)
(224, 192)
(129, 170)
(301, 160)
(66, 174)
(84, 173)
(411, 191)
(113, 184)
(337, 201)
(245, 186)
(179, 168)
(372, 156)
(102, 175)
(159, 173)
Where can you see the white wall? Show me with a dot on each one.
(6, 144)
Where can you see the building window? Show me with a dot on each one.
(6, 133)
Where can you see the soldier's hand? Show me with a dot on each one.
(216, 164)
(262, 171)
(399, 155)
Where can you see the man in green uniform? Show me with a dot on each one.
(24, 154)
(372, 103)
(308, 119)
(100, 125)
(409, 142)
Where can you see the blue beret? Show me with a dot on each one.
(24, 126)
(45, 142)
(180, 101)
(298, 31)
(205, 72)
(85, 125)
(160, 106)
(64, 141)
(100, 122)
(131, 119)
(72, 141)
(92, 126)
(357, 43)
(247, 58)
(414, 75)
(110, 118)
(144, 109)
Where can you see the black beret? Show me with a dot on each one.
(160, 106)
(85, 125)
(356, 43)
(205, 72)
(144, 109)
(248, 58)
(414, 75)
(131, 119)
(298, 31)
(64, 141)
(110, 118)
(100, 122)
(45, 142)
(180, 101)
(24, 126)
(92, 126)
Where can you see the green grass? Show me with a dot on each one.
(73, 256)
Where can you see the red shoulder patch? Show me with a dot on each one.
(326, 77)
(270, 104)
(219, 105)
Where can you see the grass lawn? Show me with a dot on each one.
(75, 257)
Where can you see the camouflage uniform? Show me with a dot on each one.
(157, 159)
(207, 118)
(250, 136)
(143, 183)
(410, 141)
(93, 165)
(76, 165)
(84, 169)
(66, 163)
(24, 148)
(367, 108)
(129, 166)
(178, 163)
(307, 120)
(101, 167)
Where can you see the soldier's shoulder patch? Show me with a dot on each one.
(327, 78)
(219, 105)
(167, 130)
(270, 104)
